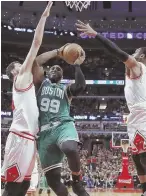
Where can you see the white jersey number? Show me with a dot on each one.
(50, 105)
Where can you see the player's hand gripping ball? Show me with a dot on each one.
(72, 53)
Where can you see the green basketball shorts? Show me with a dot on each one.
(49, 143)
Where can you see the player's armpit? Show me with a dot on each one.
(38, 73)
(23, 81)
(131, 62)
(134, 67)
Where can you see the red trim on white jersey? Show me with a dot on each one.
(29, 136)
(13, 106)
(24, 89)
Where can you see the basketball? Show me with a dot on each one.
(71, 53)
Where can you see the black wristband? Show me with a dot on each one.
(76, 65)
(112, 48)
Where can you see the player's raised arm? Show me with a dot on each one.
(80, 83)
(113, 49)
(26, 68)
(46, 56)
(38, 72)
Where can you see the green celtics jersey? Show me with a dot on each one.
(53, 103)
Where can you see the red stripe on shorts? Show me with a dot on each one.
(23, 136)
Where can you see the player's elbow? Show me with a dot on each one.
(79, 89)
(131, 62)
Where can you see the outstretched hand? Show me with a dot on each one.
(48, 8)
(86, 29)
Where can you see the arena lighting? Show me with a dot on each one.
(81, 117)
(92, 118)
(29, 30)
(6, 113)
(110, 35)
(97, 82)
(20, 29)
(9, 27)
(119, 35)
(72, 34)
(9, 114)
(129, 35)
(49, 32)
(102, 106)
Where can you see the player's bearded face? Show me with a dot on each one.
(55, 74)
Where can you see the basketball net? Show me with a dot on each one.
(78, 5)
(125, 145)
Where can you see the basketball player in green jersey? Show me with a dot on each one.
(58, 135)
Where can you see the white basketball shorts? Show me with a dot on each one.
(137, 137)
(19, 158)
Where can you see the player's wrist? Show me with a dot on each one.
(57, 52)
(76, 65)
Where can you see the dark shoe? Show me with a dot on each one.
(78, 189)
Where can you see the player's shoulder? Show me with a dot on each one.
(143, 66)
(143, 69)
(47, 80)
(62, 86)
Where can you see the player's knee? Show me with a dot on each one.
(70, 148)
(138, 164)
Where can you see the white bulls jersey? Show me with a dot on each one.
(25, 110)
(20, 149)
(135, 93)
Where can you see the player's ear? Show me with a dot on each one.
(142, 56)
